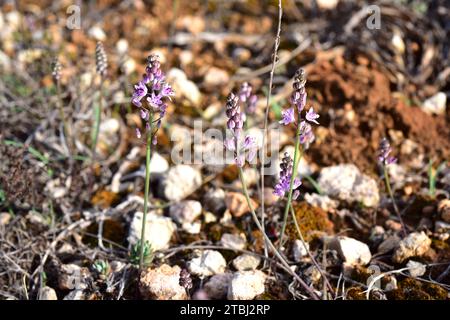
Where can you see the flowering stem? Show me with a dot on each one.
(146, 190)
(61, 113)
(266, 115)
(391, 195)
(97, 113)
(267, 240)
(297, 155)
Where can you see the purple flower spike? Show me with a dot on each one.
(287, 116)
(384, 151)
(311, 116)
(282, 187)
(151, 95)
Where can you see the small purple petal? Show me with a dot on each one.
(230, 144)
(249, 142)
(311, 116)
(251, 154)
(138, 133)
(287, 116)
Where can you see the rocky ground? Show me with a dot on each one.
(69, 225)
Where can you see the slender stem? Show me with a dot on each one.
(98, 113)
(266, 116)
(391, 195)
(297, 226)
(269, 242)
(146, 191)
(297, 155)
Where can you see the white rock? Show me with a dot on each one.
(162, 283)
(327, 4)
(184, 87)
(246, 262)
(185, 211)
(217, 285)
(158, 230)
(214, 200)
(321, 201)
(216, 77)
(352, 251)
(192, 228)
(209, 217)
(180, 181)
(417, 269)
(397, 174)
(75, 295)
(436, 104)
(158, 164)
(246, 285)
(47, 293)
(5, 218)
(299, 250)
(122, 46)
(233, 241)
(414, 245)
(347, 183)
(209, 262)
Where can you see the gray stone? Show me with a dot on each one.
(208, 263)
(180, 181)
(246, 285)
(246, 262)
(414, 245)
(345, 182)
(158, 230)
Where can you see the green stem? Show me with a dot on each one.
(297, 155)
(146, 191)
(267, 240)
(98, 114)
(391, 195)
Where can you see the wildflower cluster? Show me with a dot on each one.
(384, 151)
(101, 60)
(151, 93)
(285, 178)
(298, 102)
(242, 149)
(304, 132)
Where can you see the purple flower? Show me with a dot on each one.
(384, 151)
(245, 149)
(167, 91)
(230, 144)
(155, 100)
(156, 91)
(306, 134)
(283, 185)
(287, 116)
(138, 133)
(298, 97)
(311, 116)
